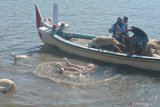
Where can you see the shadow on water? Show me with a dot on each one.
(128, 70)
(32, 50)
(58, 53)
(26, 51)
(52, 50)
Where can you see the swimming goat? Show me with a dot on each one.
(6, 85)
(16, 56)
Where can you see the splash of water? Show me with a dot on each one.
(82, 77)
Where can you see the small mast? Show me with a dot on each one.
(55, 14)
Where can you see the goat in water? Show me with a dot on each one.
(6, 85)
(16, 56)
(70, 68)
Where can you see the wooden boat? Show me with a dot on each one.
(50, 38)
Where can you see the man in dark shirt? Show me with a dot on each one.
(140, 38)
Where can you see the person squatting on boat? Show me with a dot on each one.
(138, 41)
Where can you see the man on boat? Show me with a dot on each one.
(54, 29)
(60, 32)
(125, 21)
(50, 21)
(117, 29)
(125, 34)
(138, 40)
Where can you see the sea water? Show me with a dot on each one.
(108, 85)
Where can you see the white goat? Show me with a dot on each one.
(155, 41)
(16, 56)
(104, 40)
(152, 48)
(6, 85)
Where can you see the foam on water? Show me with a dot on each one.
(49, 70)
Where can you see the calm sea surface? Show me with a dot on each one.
(108, 85)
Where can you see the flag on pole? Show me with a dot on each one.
(38, 17)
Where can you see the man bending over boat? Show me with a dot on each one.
(138, 41)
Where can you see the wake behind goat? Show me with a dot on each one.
(104, 40)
